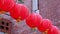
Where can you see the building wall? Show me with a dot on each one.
(28, 3)
(50, 9)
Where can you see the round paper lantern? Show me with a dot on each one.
(34, 20)
(59, 31)
(1, 4)
(6, 4)
(53, 30)
(19, 12)
(45, 25)
(24, 13)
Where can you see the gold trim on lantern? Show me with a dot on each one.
(46, 31)
(2, 12)
(19, 19)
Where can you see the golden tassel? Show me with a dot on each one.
(18, 20)
(46, 31)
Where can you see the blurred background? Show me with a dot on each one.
(49, 9)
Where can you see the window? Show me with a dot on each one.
(35, 6)
(21, 1)
(1, 27)
(38, 4)
(5, 26)
(2, 22)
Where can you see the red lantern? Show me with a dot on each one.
(45, 25)
(34, 20)
(53, 30)
(6, 4)
(1, 3)
(19, 12)
(24, 12)
(59, 31)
